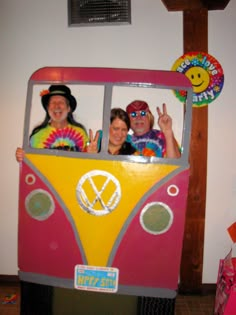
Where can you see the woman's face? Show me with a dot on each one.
(58, 108)
(117, 132)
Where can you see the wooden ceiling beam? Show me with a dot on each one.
(184, 5)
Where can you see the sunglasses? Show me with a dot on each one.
(142, 113)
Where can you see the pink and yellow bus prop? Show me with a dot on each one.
(102, 222)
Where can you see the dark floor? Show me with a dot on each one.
(185, 305)
(195, 305)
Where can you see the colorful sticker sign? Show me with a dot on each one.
(91, 278)
(205, 74)
(9, 299)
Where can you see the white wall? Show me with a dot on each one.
(221, 181)
(34, 34)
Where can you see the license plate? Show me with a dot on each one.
(92, 278)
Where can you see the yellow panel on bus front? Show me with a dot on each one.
(98, 227)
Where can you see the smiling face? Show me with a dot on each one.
(199, 78)
(139, 122)
(58, 110)
(117, 135)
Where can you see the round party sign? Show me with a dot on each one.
(205, 74)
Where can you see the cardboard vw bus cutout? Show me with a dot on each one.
(97, 221)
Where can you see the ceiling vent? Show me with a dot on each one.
(98, 12)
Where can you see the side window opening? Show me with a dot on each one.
(124, 95)
(89, 110)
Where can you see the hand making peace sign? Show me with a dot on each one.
(164, 120)
(92, 146)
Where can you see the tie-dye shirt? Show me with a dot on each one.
(70, 138)
(152, 143)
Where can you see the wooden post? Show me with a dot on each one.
(195, 33)
(195, 39)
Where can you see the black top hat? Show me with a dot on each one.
(62, 90)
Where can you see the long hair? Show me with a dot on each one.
(151, 119)
(47, 118)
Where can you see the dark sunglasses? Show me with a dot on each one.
(141, 112)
